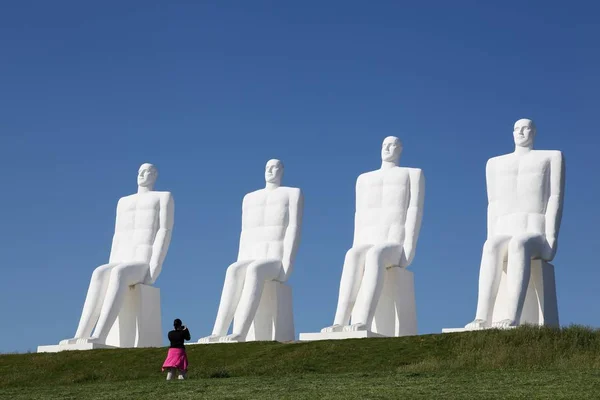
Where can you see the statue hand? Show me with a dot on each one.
(150, 278)
(550, 250)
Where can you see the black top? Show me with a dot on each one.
(177, 338)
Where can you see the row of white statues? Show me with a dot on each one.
(376, 296)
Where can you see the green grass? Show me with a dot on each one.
(537, 363)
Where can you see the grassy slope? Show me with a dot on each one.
(533, 362)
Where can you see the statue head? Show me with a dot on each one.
(274, 171)
(147, 175)
(524, 133)
(391, 149)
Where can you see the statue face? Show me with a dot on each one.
(146, 175)
(273, 171)
(391, 149)
(524, 132)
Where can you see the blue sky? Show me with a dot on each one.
(209, 91)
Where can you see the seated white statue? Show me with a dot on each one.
(271, 224)
(143, 229)
(525, 195)
(389, 209)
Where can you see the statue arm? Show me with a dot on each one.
(491, 210)
(356, 218)
(414, 215)
(166, 217)
(242, 249)
(114, 248)
(555, 201)
(291, 240)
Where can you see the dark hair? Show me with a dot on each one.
(177, 323)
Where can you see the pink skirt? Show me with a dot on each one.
(176, 358)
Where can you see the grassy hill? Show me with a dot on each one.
(527, 362)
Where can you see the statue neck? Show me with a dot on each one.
(272, 186)
(522, 150)
(389, 164)
(144, 189)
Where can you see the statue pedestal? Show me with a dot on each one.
(541, 304)
(138, 324)
(396, 312)
(75, 346)
(309, 337)
(274, 318)
(395, 315)
(139, 321)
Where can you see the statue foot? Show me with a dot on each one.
(209, 339)
(93, 339)
(504, 324)
(68, 341)
(333, 328)
(356, 327)
(477, 325)
(233, 338)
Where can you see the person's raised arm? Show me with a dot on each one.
(166, 217)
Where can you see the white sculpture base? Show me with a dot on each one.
(76, 346)
(541, 304)
(274, 319)
(309, 337)
(138, 323)
(395, 315)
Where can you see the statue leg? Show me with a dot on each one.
(377, 260)
(256, 274)
(352, 275)
(232, 291)
(94, 300)
(490, 273)
(121, 277)
(521, 250)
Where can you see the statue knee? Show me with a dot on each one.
(492, 247)
(517, 245)
(234, 270)
(353, 256)
(117, 274)
(254, 271)
(99, 273)
(374, 258)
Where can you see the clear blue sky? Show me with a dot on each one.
(209, 92)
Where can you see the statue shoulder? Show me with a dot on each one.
(414, 172)
(552, 154)
(165, 196)
(251, 196)
(125, 199)
(495, 160)
(365, 176)
(294, 193)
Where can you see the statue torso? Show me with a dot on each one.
(136, 226)
(382, 199)
(265, 217)
(519, 188)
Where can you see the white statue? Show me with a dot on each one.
(271, 224)
(143, 229)
(389, 210)
(525, 194)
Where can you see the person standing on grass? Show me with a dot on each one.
(176, 357)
